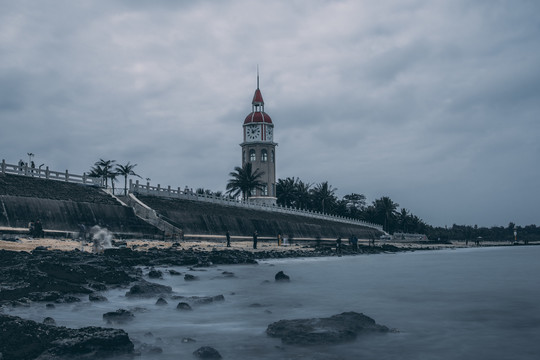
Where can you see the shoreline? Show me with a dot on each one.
(28, 244)
(46, 272)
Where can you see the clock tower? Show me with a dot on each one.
(259, 148)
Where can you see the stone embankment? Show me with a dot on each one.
(63, 206)
(197, 217)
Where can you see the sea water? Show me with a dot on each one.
(475, 303)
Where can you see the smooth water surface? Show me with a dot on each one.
(477, 303)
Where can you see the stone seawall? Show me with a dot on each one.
(196, 217)
(18, 211)
(63, 206)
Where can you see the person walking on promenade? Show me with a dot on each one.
(228, 238)
(338, 245)
(279, 239)
(255, 239)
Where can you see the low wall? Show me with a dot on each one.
(197, 217)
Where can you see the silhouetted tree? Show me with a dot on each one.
(106, 167)
(244, 180)
(125, 171)
(386, 209)
(324, 198)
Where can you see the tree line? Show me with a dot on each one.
(295, 193)
(109, 170)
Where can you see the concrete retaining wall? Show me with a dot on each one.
(196, 217)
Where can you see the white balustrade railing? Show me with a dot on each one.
(187, 194)
(25, 170)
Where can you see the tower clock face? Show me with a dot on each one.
(269, 133)
(253, 132)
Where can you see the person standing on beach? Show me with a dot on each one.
(228, 238)
(338, 245)
(255, 239)
(279, 239)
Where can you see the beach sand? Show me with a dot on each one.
(29, 244)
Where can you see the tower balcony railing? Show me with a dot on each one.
(188, 194)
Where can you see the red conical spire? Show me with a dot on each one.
(257, 97)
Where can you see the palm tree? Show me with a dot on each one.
(286, 191)
(386, 209)
(125, 171)
(96, 172)
(403, 219)
(106, 168)
(244, 180)
(112, 175)
(303, 195)
(323, 194)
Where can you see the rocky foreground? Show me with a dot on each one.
(62, 277)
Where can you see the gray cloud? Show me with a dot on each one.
(434, 104)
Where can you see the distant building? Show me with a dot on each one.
(259, 148)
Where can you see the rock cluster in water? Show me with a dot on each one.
(25, 339)
(63, 277)
(320, 331)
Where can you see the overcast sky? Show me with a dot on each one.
(435, 104)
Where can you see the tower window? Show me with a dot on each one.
(265, 190)
(272, 156)
(264, 155)
(243, 157)
(252, 155)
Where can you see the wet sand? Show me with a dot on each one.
(29, 244)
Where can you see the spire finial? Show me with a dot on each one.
(257, 76)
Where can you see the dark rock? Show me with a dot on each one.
(207, 352)
(149, 349)
(161, 301)
(148, 289)
(49, 321)
(98, 286)
(25, 339)
(96, 298)
(188, 340)
(332, 330)
(207, 299)
(50, 306)
(201, 300)
(119, 316)
(174, 272)
(183, 306)
(189, 277)
(67, 299)
(155, 274)
(280, 276)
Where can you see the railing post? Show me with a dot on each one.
(67, 176)
(3, 166)
(84, 178)
(47, 173)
